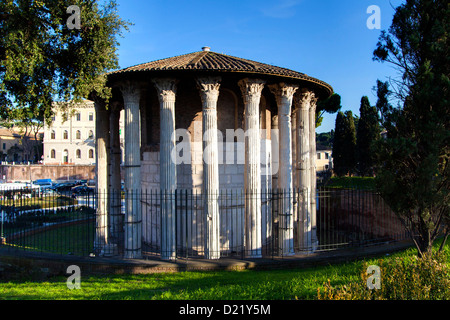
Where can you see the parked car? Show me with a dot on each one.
(82, 190)
(43, 183)
(81, 182)
(63, 187)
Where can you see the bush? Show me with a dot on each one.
(406, 278)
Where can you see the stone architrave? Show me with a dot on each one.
(166, 89)
(284, 94)
(133, 216)
(209, 92)
(251, 91)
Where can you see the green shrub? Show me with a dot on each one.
(406, 278)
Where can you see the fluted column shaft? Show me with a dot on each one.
(209, 92)
(313, 181)
(251, 92)
(133, 215)
(102, 157)
(284, 94)
(166, 89)
(115, 177)
(304, 167)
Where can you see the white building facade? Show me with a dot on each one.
(70, 139)
(324, 160)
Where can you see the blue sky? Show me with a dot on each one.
(326, 39)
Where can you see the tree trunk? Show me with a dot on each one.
(441, 248)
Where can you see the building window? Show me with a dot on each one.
(91, 116)
(318, 156)
(66, 156)
(65, 135)
(78, 135)
(91, 154)
(4, 146)
(78, 116)
(91, 134)
(53, 135)
(78, 154)
(53, 154)
(327, 155)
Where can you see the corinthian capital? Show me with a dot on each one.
(251, 89)
(209, 88)
(306, 99)
(167, 89)
(131, 92)
(283, 92)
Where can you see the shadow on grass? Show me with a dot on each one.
(277, 284)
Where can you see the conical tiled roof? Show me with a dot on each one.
(211, 61)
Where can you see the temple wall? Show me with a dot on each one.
(190, 200)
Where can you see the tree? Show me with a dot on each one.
(338, 145)
(367, 133)
(383, 106)
(413, 164)
(344, 145)
(325, 139)
(330, 105)
(43, 60)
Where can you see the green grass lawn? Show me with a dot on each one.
(364, 183)
(291, 284)
(39, 203)
(76, 239)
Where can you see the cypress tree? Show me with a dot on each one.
(339, 140)
(367, 132)
(350, 142)
(344, 145)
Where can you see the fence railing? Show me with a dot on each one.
(69, 223)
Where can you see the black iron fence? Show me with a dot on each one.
(71, 223)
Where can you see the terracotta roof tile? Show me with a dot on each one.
(212, 61)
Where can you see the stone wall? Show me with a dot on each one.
(25, 173)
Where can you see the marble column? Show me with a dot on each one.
(209, 92)
(295, 193)
(133, 216)
(116, 217)
(166, 89)
(284, 94)
(303, 167)
(102, 176)
(251, 91)
(275, 149)
(313, 181)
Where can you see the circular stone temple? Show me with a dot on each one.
(197, 127)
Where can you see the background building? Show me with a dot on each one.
(20, 146)
(324, 160)
(71, 137)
